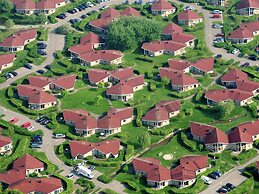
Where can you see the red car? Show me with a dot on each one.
(14, 120)
(26, 125)
(216, 16)
(219, 35)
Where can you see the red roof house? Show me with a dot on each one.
(179, 80)
(17, 41)
(130, 12)
(5, 144)
(172, 28)
(82, 121)
(161, 113)
(200, 130)
(6, 61)
(107, 148)
(189, 18)
(162, 7)
(157, 48)
(240, 97)
(112, 121)
(248, 7)
(230, 79)
(96, 76)
(249, 86)
(12, 176)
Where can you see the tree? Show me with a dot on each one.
(64, 29)
(64, 93)
(144, 140)
(6, 6)
(98, 99)
(165, 81)
(224, 109)
(129, 32)
(9, 24)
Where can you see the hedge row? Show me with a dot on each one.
(104, 178)
(108, 191)
(88, 185)
(102, 163)
(133, 186)
(68, 184)
(186, 94)
(129, 152)
(187, 142)
(244, 155)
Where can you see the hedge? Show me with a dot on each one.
(88, 185)
(187, 142)
(161, 131)
(102, 163)
(245, 155)
(104, 178)
(129, 152)
(144, 59)
(58, 55)
(43, 34)
(186, 94)
(152, 191)
(68, 184)
(108, 191)
(133, 186)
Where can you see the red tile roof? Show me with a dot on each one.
(81, 48)
(161, 5)
(12, 176)
(37, 185)
(182, 38)
(31, 5)
(100, 23)
(130, 12)
(105, 147)
(97, 75)
(179, 65)
(245, 30)
(234, 75)
(4, 140)
(162, 45)
(194, 162)
(248, 4)
(110, 13)
(122, 73)
(19, 38)
(247, 85)
(233, 94)
(200, 129)
(107, 55)
(181, 173)
(177, 77)
(35, 95)
(172, 28)
(6, 59)
(251, 127)
(206, 64)
(27, 162)
(161, 111)
(188, 15)
(91, 38)
(81, 119)
(238, 135)
(112, 119)
(216, 136)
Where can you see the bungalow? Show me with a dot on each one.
(217, 2)
(49, 185)
(125, 89)
(199, 131)
(216, 141)
(130, 12)
(239, 97)
(105, 57)
(162, 7)
(248, 7)
(249, 86)
(240, 139)
(6, 61)
(245, 33)
(186, 39)
(169, 29)
(43, 6)
(161, 113)
(37, 99)
(179, 65)
(87, 43)
(111, 122)
(179, 81)
(189, 18)
(100, 25)
(6, 144)
(230, 79)
(157, 48)
(84, 124)
(17, 41)
(106, 149)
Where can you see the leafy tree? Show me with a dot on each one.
(224, 109)
(64, 29)
(64, 93)
(6, 6)
(98, 99)
(144, 140)
(101, 85)
(129, 32)
(9, 24)
(165, 81)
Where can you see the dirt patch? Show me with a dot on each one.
(168, 156)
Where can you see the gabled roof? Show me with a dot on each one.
(161, 110)
(179, 65)
(81, 48)
(27, 162)
(216, 136)
(108, 146)
(91, 38)
(19, 38)
(101, 23)
(194, 162)
(97, 75)
(245, 30)
(181, 173)
(172, 28)
(110, 13)
(229, 94)
(188, 15)
(177, 77)
(80, 147)
(182, 37)
(205, 64)
(95, 55)
(13, 175)
(130, 12)
(200, 129)
(6, 59)
(248, 4)
(40, 5)
(234, 75)
(251, 127)
(239, 135)
(163, 45)
(4, 140)
(247, 85)
(37, 185)
(160, 5)
(122, 73)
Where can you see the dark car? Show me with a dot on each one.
(218, 56)
(40, 119)
(213, 175)
(218, 173)
(28, 66)
(83, 16)
(245, 64)
(72, 11)
(222, 190)
(253, 58)
(40, 71)
(62, 16)
(230, 185)
(14, 73)
(72, 21)
(35, 145)
(257, 69)
(226, 187)
(41, 44)
(48, 67)
(41, 52)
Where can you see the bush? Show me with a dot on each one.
(129, 152)
(246, 154)
(88, 185)
(104, 178)
(59, 55)
(187, 142)
(108, 191)
(102, 163)
(152, 191)
(152, 87)
(133, 186)
(64, 29)
(161, 131)
(67, 183)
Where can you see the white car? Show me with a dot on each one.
(217, 12)
(30, 128)
(235, 51)
(70, 175)
(217, 26)
(188, 8)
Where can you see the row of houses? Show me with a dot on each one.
(108, 123)
(183, 175)
(242, 94)
(18, 177)
(238, 139)
(36, 93)
(29, 7)
(245, 33)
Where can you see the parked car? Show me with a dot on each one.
(218, 173)
(230, 185)
(45, 122)
(226, 187)
(206, 180)
(36, 138)
(30, 128)
(71, 11)
(48, 67)
(36, 145)
(222, 190)
(14, 73)
(14, 120)
(40, 119)
(40, 71)
(217, 26)
(216, 16)
(70, 175)
(219, 35)
(9, 75)
(28, 66)
(59, 135)
(217, 12)
(218, 56)
(26, 125)
(91, 168)
(41, 44)
(188, 8)
(235, 51)
(83, 16)
(62, 16)
(253, 58)
(41, 52)
(213, 175)
(104, 7)
(246, 64)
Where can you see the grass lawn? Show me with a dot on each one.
(85, 99)
(204, 80)
(215, 87)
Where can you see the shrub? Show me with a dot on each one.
(133, 186)
(246, 154)
(104, 178)
(152, 87)
(108, 191)
(89, 185)
(129, 152)
(59, 55)
(102, 163)
(68, 184)
(187, 142)
(138, 122)
(152, 191)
